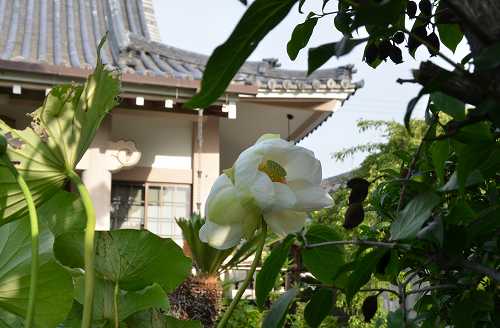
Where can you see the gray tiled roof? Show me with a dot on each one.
(65, 33)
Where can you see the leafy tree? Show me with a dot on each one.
(436, 230)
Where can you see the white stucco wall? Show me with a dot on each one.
(252, 121)
(165, 142)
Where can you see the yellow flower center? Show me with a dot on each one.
(275, 171)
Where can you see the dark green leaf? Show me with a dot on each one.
(363, 269)
(388, 267)
(134, 258)
(319, 307)
(452, 184)
(395, 320)
(343, 22)
(266, 278)
(323, 262)
(320, 55)
(464, 312)
(411, 107)
(439, 154)
(450, 35)
(300, 37)
(411, 219)
(478, 134)
(489, 58)
(449, 105)
(469, 158)
(276, 315)
(260, 18)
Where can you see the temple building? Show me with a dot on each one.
(152, 160)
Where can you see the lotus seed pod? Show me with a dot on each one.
(399, 37)
(359, 190)
(369, 307)
(434, 43)
(411, 9)
(354, 215)
(425, 7)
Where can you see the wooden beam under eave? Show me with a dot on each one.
(308, 126)
(61, 74)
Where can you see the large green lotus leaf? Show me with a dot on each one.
(133, 258)
(60, 133)
(130, 302)
(15, 260)
(63, 212)
(9, 320)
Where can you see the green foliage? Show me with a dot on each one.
(277, 314)
(413, 216)
(245, 315)
(300, 36)
(431, 215)
(319, 307)
(451, 35)
(207, 260)
(315, 259)
(133, 258)
(267, 276)
(320, 55)
(129, 302)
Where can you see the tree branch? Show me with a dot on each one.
(468, 88)
(358, 242)
(413, 163)
(427, 289)
(380, 290)
(479, 268)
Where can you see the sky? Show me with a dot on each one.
(200, 26)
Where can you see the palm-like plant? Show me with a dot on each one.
(200, 296)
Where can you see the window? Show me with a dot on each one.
(127, 206)
(150, 206)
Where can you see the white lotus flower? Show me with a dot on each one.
(273, 179)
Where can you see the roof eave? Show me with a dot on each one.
(45, 76)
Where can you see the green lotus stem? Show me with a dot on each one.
(89, 248)
(258, 253)
(30, 311)
(116, 296)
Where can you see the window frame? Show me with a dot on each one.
(146, 186)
